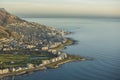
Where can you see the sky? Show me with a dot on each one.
(62, 7)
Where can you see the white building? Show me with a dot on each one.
(30, 66)
(44, 48)
(45, 62)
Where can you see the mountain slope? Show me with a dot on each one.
(7, 18)
(5, 33)
(22, 32)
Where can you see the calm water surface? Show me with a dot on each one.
(97, 38)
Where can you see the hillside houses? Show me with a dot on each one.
(19, 45)
(29, 33)
(36, 32)
(33, 35)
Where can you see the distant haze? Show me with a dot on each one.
(41, 8)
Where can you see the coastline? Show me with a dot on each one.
(24, 46)
(54, 65)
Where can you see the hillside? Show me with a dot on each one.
(7, 18)
(21, 33)
(5, 33)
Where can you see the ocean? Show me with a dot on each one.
(97, 38)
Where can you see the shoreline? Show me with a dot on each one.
(53, 65)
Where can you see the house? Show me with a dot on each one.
(56, 59)
(59, 58)
(62, 33)
(53, 60)
(4, 71)
(49, 50)
(30, 66)
(36, 49)
(13, 69)
(63, 55)
(30, 46)
(44, 48)
(59, 53)
(40, 64)
(18, 69)
(54, 51)
(45, 62)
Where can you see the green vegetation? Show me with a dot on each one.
(17, 60)
(13, 60)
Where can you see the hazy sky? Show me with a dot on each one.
(62, 7)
